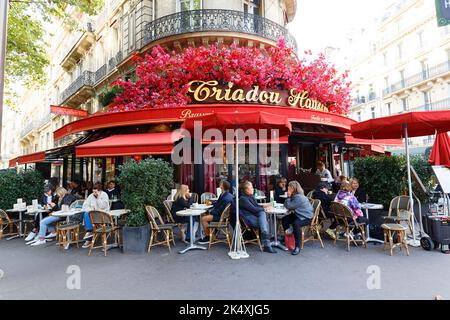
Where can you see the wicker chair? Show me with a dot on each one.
(399, 211)
(7, 223)
(310, 194)
(314, 227)
(159, 228)
(220, 227)
(168, 218)
(345, 219)
(206, 196)
(247, 229)
(104, 227)
(194, 197)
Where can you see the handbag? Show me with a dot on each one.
(289, 241)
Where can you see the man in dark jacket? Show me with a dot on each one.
(219, 206)
(321, 193)
(254, 215)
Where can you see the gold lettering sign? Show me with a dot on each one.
(212, 92)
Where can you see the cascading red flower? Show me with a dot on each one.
(163, 77)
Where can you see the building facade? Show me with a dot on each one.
(84, 63)
(400, 63)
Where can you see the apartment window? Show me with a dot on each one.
(186, 5)
(48, 140)
(424, 66)
(388, 108)
(420, 39)
(404, 104)
(385, 59)
(252, 6)
(402, 78)
(427, 100)
(386, 82)
(372, 111)
(359, 115)
(399, 50)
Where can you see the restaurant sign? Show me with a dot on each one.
(68, 111)
(211, 92)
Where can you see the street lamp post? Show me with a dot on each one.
(4, 4)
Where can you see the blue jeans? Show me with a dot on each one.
(47, 225)
(87, 222)
(259, 220)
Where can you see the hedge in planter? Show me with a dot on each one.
(147, 182)
(28, 185)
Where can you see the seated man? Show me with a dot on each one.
(225, 199)
(254, 215)
(321, 193)
(98, 200)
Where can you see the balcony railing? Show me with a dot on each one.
(433, 106)
(87, 78)
(35, 124)
(107, 68)
(418, 78)
(216, 20)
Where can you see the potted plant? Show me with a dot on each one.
(147, 182)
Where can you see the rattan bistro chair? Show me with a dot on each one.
(246, 229)
(168, 218)
(345, 220)
(159, 228)
(313, 229)
(220, 227)
(399, 211)
(206, 196)
(310, 194)
(103, 227)
(7, 223)
(194, 197)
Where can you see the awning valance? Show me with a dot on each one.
(13, 162)
(130, 145)
(32, 158)
(268, 141)
(380, 142)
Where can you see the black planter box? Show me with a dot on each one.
(135, 239)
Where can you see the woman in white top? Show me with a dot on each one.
(97, 200)
(324, 173)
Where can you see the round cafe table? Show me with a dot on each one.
(367, 207)
(20, 212)
(191, 213)
(279, 211)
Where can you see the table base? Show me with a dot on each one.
(192, 247)
(278, 245)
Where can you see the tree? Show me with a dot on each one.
(26, 56)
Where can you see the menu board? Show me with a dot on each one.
(443, 175)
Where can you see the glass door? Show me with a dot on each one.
(252, 9)
(189, 20)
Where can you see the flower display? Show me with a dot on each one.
(163, 77)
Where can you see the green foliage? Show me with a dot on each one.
(383, 178)
(26, 51)
(147, 182)
(108, 97)
(27, 185)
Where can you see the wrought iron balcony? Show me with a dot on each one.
(430, 73)
(81, 87)
(35, 124)
(433, 106)
(211, 20)
(109, 67)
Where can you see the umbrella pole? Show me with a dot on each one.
(411, 200)
(237, 250)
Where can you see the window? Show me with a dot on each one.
(399, 50)
(386, 82)
(424, 66)
(372, 111)
(402, 78)
(252, 6)
(404, 104)
(385, 59)
(48, 140)
(388, 108)
(359, 116)
(186, 5)
(420, 39)
(427, 100)
(131, 31)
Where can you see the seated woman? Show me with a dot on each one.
(50, 200)
(182, 201)
(301, 212)
(98, 200)
(321, 193)
(358, 192)
(345, 196)
(225, 199)
(280, 189)
(254, 215)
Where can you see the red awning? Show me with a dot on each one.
(129, 145)
(13, 162)
(32, 158)
(421, 123)
(379, 142)
(281, 140)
